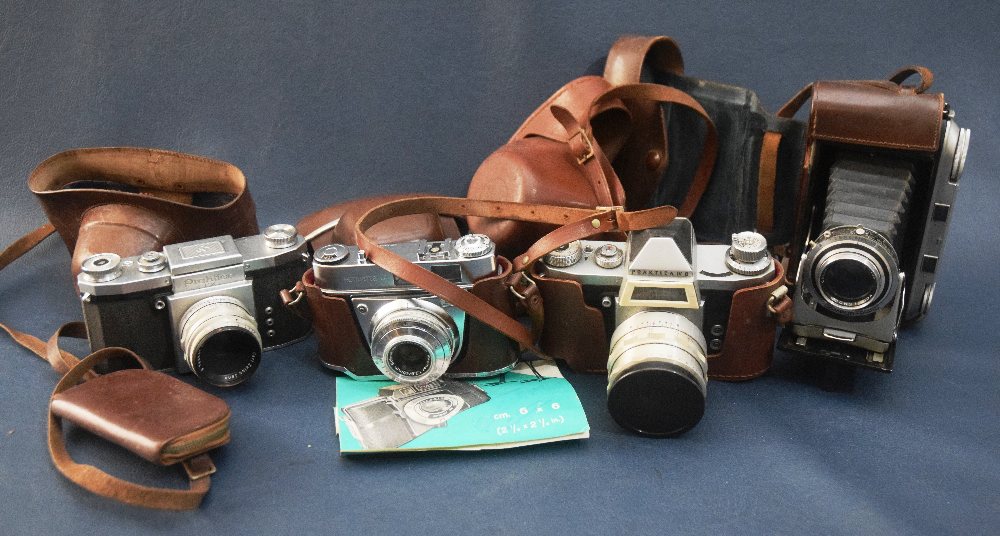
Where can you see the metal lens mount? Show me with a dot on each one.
(657, 373)
(852, 270)
(220, 340)
(414, 340)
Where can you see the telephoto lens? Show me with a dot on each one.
(657, 374)
(220, 341)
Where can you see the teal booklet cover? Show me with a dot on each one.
(531, 404)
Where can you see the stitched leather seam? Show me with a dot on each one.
(878, 143)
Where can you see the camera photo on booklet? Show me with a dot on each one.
(528, 405)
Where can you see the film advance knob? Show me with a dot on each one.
(748, 254)
(564, 255)
(471, 246)
(280, 236)
(101, 267)
(609, 256)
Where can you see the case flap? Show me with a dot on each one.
(156, 416)
(876, 113)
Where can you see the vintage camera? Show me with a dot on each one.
(879, 219)
(402, 413)
(666, 301)
(373, 325)
(208, 306)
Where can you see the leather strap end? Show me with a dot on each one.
(925, 74)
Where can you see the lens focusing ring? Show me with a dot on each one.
(419, 323)
(213, 316)
(863, 247)
(657, 373)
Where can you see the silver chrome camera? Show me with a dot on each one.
(869, 262)
(406, 334)
(402, 413)
(208, 306)
(670, 300)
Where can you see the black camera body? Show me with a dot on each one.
(874, 229)
(209, 306)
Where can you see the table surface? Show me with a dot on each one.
(320, 103)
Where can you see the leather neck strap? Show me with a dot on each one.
(669, 95)
(74, 370)
(574, 224)
(631, 52)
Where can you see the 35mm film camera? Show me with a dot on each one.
(209, 306)
(666, 303)
(372, 325)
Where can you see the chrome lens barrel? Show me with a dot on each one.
(852, 270)
(414, 341)
(220, 341)
(657, 373)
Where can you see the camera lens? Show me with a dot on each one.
(220, 341)
(850, 279)
(657, 374)
(409, 358)
(414, 340)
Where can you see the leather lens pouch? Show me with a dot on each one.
(156, 416)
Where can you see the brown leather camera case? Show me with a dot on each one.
(127, 200)
(342, 345)
(575, 331)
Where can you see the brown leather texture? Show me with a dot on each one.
(574, 331)
(341, 343)
(486, 349)
(535, 167)
(514, 173)
(342, 346)
(149, 198)
(569, 166)
(87, 406)
(402, 229)
(877, 114)
(748, 347)
(645, 155)
(147, 412)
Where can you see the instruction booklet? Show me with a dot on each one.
(531, 404)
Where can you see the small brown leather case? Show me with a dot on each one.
(128, 200)
(575, 332)
(342, 345)
(156, 416)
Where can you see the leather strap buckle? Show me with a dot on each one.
(588, 145)
(199, 467)
(780, 305)
(523, 286)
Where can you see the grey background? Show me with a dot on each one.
(321, 102)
